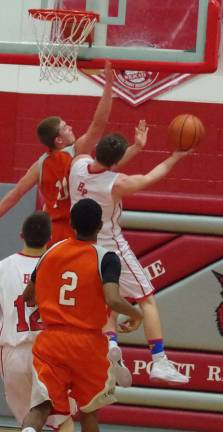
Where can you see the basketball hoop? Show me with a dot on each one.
(59, 34)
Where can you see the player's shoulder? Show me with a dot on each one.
(56, 248)
(108, 261)
(121, 177)
(102, 252)
(100, 249)
(57, 154)
(120, 182)
(82, 159)
(10, 258)
(42, 158)
(68, 150)
(6, 262)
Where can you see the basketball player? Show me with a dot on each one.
(73, 305)
(21, 323)
(95, 179)
(51, 171)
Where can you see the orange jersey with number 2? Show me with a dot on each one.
(69, 289)
(71, 353)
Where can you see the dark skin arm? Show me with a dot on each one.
(29, 293)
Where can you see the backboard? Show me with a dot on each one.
(156, 35)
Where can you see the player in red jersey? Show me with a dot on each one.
(51, 171)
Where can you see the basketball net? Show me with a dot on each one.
(59, 34)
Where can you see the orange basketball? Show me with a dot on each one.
(185, 131)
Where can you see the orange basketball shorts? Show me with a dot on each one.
(72, 363)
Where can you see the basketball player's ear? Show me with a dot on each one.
(21, 235)
(58, 141)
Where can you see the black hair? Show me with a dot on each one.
(110, 149)
(36, 229)
(48, 130)
(86, 217)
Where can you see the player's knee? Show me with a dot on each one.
(147, 302)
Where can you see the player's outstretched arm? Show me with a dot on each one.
(24, 185)
(140, 140)
(126, 185)
(86, 142)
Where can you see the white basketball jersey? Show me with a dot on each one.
(97, 186)
(18, 322)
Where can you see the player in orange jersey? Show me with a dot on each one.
(51, 171)
(70, 357)
(19, 322)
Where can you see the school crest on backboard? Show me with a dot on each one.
(136, 87)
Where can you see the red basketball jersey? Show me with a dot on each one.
(69, 290)
(54, 173)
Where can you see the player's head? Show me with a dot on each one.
(36, 230)
(55, 133)
(110, 149)
(86, 217)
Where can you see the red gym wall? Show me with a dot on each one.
(200, 174)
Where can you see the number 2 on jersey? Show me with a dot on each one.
(68, 287)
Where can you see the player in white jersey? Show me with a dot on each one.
(94, 178)
(20, 323)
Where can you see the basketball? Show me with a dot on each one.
(185, 132)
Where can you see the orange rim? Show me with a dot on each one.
(51, 14)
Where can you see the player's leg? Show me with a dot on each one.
(51, 382)
(89, 422)
(162, 368)
(17, 378)
(36, 418)
(135, 285)
(60, 423)
(121, 372)
(67, 426)
(94, 389)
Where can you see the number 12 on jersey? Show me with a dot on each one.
(34, 323)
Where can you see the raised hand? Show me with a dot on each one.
(141, 133)
(180, 154)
